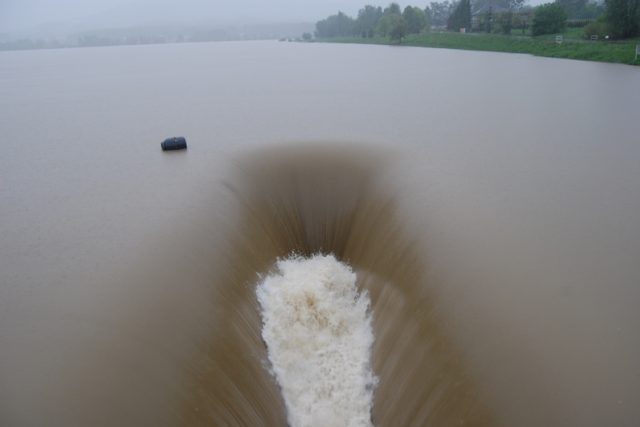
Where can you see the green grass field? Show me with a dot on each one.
(572, 47)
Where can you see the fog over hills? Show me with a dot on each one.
(60, 17)
(35, 24)
(46, 17)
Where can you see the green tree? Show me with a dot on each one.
(438, 13)
(594, 10)
(488, 19)
(549, 18)
(339, 25)
(384, 25)
(598, 28)
(623, 17)
(392, 9)
(397, 27)
(307, 37)
(415, 19)
(574, 8)
(461, 16)
(523, 18)
(388, 20)
(505, 20)
(367, 20)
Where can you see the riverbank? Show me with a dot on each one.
(572, 46)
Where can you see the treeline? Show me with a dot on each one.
(395, 22)
(622, 18)
(617, 18)
(371, 21)
(98, 40)
(186, 33)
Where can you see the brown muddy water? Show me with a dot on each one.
(487, 202)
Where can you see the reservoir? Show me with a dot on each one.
(488, 204)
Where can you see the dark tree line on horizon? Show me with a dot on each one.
(620, 18)
(371, 21)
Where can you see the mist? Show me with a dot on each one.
(47, 18)
(39, 15)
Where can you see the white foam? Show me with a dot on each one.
(317, 328)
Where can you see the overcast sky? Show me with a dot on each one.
(23, 14)
(27, 14)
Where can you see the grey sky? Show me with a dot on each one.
(27, 14)
(21, 14)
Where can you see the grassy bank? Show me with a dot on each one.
(572, 47)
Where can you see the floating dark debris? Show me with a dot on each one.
(175, 143)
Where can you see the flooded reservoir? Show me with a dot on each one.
(473, 218)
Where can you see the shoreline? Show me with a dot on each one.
(620, 52)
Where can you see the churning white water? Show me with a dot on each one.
(317, 328)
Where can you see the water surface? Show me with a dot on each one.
(488, 201)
